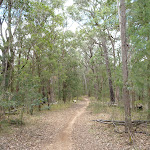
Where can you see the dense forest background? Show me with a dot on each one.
(42, 61)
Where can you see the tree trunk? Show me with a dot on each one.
(1, 1)
(17, 86)
(126, 98)
(89, 93)
(43, 91)
(113, 48)
(85, 83)
(50, 93)
(39, 74)
(51, 90)
(117, 94)
(112, 97)
(148, 116)
(64, 92)
(133, 99)
(11, 59)
(8, 54)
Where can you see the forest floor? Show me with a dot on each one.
(70, 129)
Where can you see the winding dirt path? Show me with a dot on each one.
(64, 139)
(69, 129)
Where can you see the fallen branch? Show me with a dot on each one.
(135, 123)
(116, 122)
(142, 132)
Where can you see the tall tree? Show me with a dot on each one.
(139, 33)
(126, 97)
(112, 97)
(98, 20)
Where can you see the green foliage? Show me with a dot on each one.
(138, 102)
(6, 100)
(17, 122)
(139, 35)
(48, 62)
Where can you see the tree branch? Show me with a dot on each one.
(1, 1)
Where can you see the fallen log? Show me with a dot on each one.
(135, 122)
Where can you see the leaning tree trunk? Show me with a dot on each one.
(126, 98)
(112, 97)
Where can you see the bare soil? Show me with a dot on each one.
(64, 139)
(70, 129)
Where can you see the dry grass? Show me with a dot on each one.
(101, 110)
(115, 112)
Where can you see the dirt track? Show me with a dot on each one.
(69, 129)
(46, 131)
(64, 139)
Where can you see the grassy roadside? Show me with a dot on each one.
(115, 112)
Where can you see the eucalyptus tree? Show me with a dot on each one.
(97, 16)
(12, 14)
(44, 27)
(126, 97)
(69, 70)
(91, 61)
(86, 48)
(29, 47)
(138, 31)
